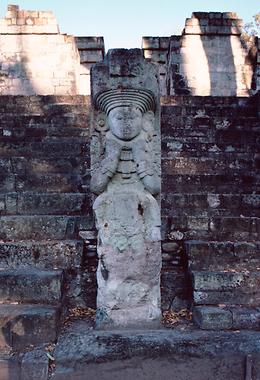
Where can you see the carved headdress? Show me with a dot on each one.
(141, 99)
(125, 78)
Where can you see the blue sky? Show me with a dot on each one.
(123, 23)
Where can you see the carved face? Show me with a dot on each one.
(125, 122)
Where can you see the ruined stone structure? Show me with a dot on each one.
(53, 137)
(36, 59)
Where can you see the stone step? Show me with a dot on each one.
(32, 203)
(36, 182)
(27, 122)
(222, 318)
(215, 183)
(216, 227)
(217, 101)
(230, 288)
(221, 255)
(45, 165)
(33, 104)
(47, 254)
(29, 285)
(30, 365)
(214, 201)
(209, 111)
(25, 325)
(219, 149)
(41, 132)
(69, 147)
(200, 165)
(53, 182)
(43, 227)
(9, 367)
(203, 125)
(190, 354)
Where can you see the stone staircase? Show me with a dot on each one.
(211, 194)
(226, 293)
(30, 307)
(43, 206)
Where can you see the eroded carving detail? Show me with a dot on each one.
(125, 153)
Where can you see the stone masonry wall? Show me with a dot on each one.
(36, 59)
(156, 50)
(44, 182)
(209, 58)
(91, 51)
(210, 195)
(210, 187)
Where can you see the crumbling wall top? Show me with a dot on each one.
(19, 21)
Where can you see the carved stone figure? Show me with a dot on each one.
(125, 153)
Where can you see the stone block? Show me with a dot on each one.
(198, 224)
(215, 15)
(150, 42)
(231, 227)
(41, 227)
(11, 203)
(214, 255)
(30, 286)
(25, 325)
(195, 30)
(9, 368)
(164, 42)
(200, 15)
(204, 281)
(158, 56)
(65, 254)
(245, 318)
(91, 55)
(234, 297)
(85, 43)
(170, 247)
(20, 21)
(192, 22)
(53, 182)
(212, 318)
(35, 365)
(229, 15)
(53, 203)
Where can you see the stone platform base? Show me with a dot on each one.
(182, 353)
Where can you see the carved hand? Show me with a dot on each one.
(106, 168)
(144, 167)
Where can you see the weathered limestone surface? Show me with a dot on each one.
(195, 355)
(210, 204)
(156, 50)
(43, 154)
(209, 58)
(91, 50)
(126, 178)
(36, 59)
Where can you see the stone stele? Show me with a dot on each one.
(125, 165)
